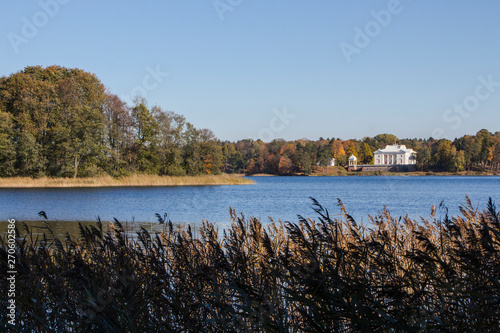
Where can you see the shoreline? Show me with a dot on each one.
(128, 181)
(384, 173)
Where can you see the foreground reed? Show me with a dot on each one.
(326, 275)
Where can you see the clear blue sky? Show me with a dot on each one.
(233, 64)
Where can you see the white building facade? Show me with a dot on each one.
(395, 155)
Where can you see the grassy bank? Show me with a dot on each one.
(327, 275)
(136, 180)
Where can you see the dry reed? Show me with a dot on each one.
(135, 180)
(324, 275)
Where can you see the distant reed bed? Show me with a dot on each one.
(135, 180)
(329, 274)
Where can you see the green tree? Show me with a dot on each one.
(457, 159)
(30, 161)
(423, 158)
(442, 157)
(145, 124)
(485, 140)
(7, 148)
(367, 154)
(81, 130)
(325, 153)
(381, 140)
(146, 130)
(233, 160)
(211, 156)
(193, 162)
(170, 141)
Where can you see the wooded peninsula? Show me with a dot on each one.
(57, 122)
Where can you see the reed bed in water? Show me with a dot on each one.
(326, 275)
(135, 180)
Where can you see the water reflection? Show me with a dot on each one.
(35, 230)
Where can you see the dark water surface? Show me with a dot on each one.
(277, 197)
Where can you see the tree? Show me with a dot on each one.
(30, 161)
(485, 140)
(367, 154)
(382, 140)
(170, 141)
(442, 156)
(251, 167)
(233, 160)
(192, 156)
(325, 153)
(285, 166)
(7, 149)
(119, 129)
(81, 127)
(211, 155)
(338, 152)
(457, 159)
(146, 130)
(145, 124)
(351, 148)
(61, 110)
(423, 158)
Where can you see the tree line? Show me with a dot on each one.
(479, 152)
(62, 122)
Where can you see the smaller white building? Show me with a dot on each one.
(353, 161)
(395, 155)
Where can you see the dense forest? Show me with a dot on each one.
(63, 122)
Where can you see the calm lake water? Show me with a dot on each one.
(276, 197)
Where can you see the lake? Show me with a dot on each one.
(276, 197)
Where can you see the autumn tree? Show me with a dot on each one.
(339, 152)
(210, 152)
(366, 154)
(285, 166)
(119, 130)
(351, 148)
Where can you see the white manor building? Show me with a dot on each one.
(395, 155)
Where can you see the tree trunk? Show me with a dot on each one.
(77, 161)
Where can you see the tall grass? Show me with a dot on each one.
(324, 275)
(135, 180)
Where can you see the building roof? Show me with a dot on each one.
(353, 158)
(395, 149)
